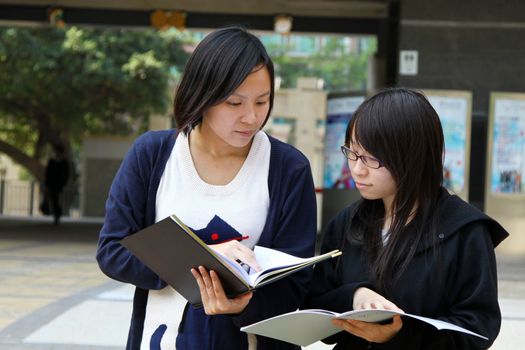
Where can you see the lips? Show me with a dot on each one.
(245, 133)
(361, 185)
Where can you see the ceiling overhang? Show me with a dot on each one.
(335, 16)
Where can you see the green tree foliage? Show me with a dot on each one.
(57, 85)
(342, 66)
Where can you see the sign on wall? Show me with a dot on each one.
(408, 62)
(507, 143)
(339, 112)
(454, 110)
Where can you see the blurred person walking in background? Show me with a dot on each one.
(56, 177)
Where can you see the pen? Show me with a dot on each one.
(244, 265)
(242, 238)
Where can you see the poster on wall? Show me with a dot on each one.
(454, 110)
(508, 143)
(339, 112)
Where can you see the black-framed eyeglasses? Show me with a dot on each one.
(370, 162)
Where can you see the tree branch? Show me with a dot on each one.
(30, 163)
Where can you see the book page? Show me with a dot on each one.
(302, 327)
(275, 263)
(235, 266)
(268, 259)
(369, 315)
(383, 315)
(271, 258)
(445, 325)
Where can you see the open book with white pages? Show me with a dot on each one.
(273, 263)
(304, 327)
(171, 250)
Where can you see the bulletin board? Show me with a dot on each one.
(338, 187)
(507, 145)
(505, 186)
(339, 112)
(455, 112)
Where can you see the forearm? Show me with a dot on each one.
(118, 263)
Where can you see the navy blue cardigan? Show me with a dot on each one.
(290, 227)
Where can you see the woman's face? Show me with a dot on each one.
(236, 120)
(372, 183)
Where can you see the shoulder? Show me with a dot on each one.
(345, 214)
(283, 154)
(155, 138)
(456, 216)
(152, 143)
(339, 225)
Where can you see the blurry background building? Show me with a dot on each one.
(468, 56)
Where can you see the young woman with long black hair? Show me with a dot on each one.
(407, 244)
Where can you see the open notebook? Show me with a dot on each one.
(171, 249)
(304, 327)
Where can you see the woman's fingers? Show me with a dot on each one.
(218, 291)
(365, 298)
(214, 298)
(245, 255)
(223, 304)
(237, 251)
(371, 332)
(199, 280)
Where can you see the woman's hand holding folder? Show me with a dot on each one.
(214, 299)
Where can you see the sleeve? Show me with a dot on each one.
(296, 230)
(125, 215)
(472, 299)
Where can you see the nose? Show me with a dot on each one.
(249, 116)
(357, 168)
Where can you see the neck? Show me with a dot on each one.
(390, 216)
(388, 204)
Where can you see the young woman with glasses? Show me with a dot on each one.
(407, 244)
(231, 183)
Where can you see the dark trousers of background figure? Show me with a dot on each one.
(56, 208)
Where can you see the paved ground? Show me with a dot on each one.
(53, 296)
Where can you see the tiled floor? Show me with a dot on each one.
(53, 296)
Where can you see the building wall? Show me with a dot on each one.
(467, 45)
(477, 46)
(100, 162)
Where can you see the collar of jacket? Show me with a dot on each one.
(456, 214)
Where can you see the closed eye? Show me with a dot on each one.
(233, 103)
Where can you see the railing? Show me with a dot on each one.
(23, 198)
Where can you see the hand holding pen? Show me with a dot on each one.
(236, 251)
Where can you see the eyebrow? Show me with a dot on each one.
(352, 146)
(244, 96)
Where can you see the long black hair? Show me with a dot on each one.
(401, 128)
(217, 67)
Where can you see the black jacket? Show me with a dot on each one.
(459, 285)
